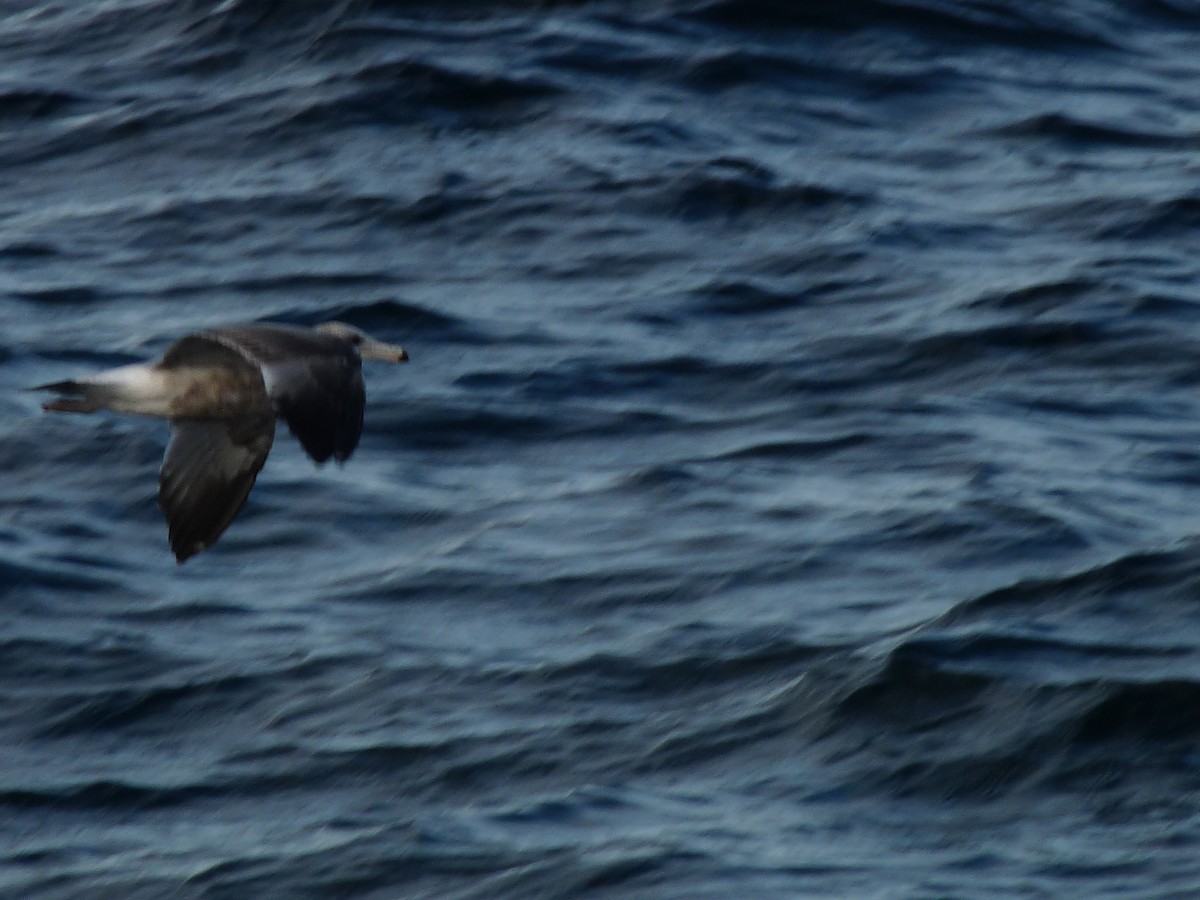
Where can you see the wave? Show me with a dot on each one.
(951, 22)
(412, 91)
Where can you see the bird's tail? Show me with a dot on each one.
(77, 397)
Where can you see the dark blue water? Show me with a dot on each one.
(795, 490)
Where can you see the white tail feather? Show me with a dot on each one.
(138, 389)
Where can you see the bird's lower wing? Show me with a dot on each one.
(207, 474)
(321, 399)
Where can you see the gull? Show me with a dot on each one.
(222, 390)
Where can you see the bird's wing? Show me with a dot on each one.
(322, 400)
(314, 380)
(207, 474)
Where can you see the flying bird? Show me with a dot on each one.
(222, 390)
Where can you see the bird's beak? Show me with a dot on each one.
(372, 349)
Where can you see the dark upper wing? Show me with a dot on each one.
(265, 342)
(207, 474)
(314, 380)
(204, 349)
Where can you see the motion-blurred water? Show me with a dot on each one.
(794, 491)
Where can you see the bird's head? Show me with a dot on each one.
(367, 346)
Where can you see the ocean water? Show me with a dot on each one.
(794, 492)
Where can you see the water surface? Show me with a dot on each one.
(793, 491)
